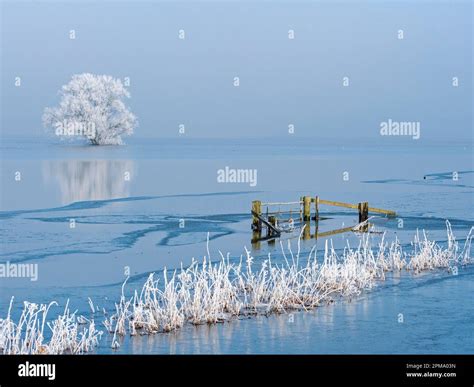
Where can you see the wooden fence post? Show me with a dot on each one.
(306, 208)
(257, 209)
(363, 211)
(301, 214)
(316, 208)
(272, 221)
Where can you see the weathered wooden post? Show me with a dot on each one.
(306, 208)
(301, 214)
(363, 211)
(272, 221)
(256, 210)
(316, 208)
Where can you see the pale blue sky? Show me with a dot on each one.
(282, 81)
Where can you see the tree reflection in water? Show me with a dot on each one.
(83, 180)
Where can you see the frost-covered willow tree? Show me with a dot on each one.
(92, 106)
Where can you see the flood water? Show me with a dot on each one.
(151, 204)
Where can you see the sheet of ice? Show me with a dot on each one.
(135, 223)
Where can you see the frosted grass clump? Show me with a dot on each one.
(216, 292)
(92, 107)
(28, 335)
(428, 255)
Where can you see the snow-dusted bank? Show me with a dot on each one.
(208, 293)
